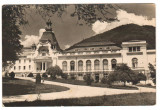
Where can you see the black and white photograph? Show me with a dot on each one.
(57, 55)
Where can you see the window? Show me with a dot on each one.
(105, 75)
(29, 67)
(64, 66)
(134, 62)
(134, 49)
(92, 48)
(24, 67)
(24, 60)
(29, 61)
(113, 62)
(96, 65)
(14, 67)
(80, 65)
(43, 54)
(88, 65)
(19, 61)
(19, 67)
(138, 48)
(105, 64)
(72, 65)
(130, 49)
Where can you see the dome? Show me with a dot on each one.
(48, 35)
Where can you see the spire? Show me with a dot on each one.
(49, 24)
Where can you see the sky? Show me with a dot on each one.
(68, 32)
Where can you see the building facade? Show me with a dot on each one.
(95, 58)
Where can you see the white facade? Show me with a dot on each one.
(46, 53)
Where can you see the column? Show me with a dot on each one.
(46, 66)
(42, 67)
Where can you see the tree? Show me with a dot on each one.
(10, 34)
(152, 72)
(54, 71)
(38, 78)
(12, 75)
(88, 79)
(123, 73)
(141, 77)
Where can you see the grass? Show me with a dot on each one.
(80, 82)
(113, 100)
(22, 87)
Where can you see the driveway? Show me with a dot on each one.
(76, 91)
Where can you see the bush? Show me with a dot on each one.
(64, 76)
(141, 77)
(38, 78)
(44, 75)
(73, 77)
(54, 71)
(148, 84)
(12, 75)
(88, 79)
(30, 75)
(104, 80)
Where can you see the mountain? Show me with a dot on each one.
(124, 33)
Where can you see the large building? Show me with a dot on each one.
(95, 58)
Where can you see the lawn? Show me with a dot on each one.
(113, 100)
(80, 82)
(21, 87)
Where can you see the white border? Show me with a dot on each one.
(157, 3)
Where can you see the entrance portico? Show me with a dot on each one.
(41, 65)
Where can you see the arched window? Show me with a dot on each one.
(88, 65)
(80, 65)
(64, 66)
(113, 62)
(134, 62)
(96, 65)
(72, 65)
(105, 64)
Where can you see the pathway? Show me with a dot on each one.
(75, 91)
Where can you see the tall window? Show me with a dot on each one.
(72, 65)
(24, 60)
(134, 62)
(19, 61)
(88, 65)
(19, 67)
(96, 65)
(29, 67)
(64, 66)
(24, 67)
(80, 65)
(113, 62)
(105, 64)
(14, 67)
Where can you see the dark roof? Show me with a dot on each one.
(88, 44)
(48, 35)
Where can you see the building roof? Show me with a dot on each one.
(48, 35)
(93, 46)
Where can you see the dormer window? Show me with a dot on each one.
(92, 48)
(43, 54)
(134, 49)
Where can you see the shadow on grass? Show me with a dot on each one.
(22, 87)
(113, 100)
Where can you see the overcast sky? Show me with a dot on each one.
(68, 32)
